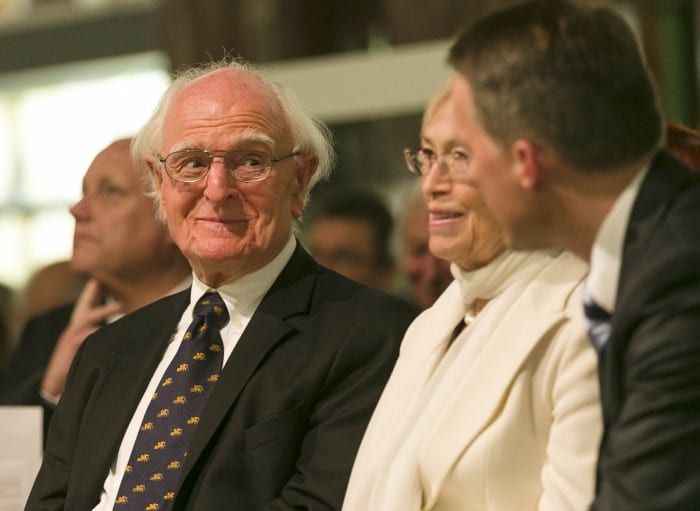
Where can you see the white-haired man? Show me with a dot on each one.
(299, 354)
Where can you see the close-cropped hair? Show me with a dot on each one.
(310, 135)
(571, 77)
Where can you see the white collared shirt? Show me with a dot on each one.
(606, 253)
(242, 298)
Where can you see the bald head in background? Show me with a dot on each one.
(128, 261)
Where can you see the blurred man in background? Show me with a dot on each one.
(350, 231)
(130, 261)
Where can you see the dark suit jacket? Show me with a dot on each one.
(650, 367)
(20, 383)
(282, 426)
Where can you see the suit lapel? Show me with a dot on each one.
(422, 348)
(289, 295)
(487, 377)
(666, 177)
(138, 348)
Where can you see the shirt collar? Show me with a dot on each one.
(606, 254)
(244, 295)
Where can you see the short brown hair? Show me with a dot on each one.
(567, 76)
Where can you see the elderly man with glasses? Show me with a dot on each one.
(250, 390)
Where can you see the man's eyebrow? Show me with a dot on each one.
(250, 135)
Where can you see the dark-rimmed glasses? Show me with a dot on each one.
(192, 165)
(421, 160)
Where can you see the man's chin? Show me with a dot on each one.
(218, 251)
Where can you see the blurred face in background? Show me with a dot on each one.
(462, 230)
(116, 233)
(347, 245)
(428, 275)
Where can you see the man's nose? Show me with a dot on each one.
(219, 181)
(80, 209)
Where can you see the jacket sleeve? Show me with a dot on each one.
(51, 484)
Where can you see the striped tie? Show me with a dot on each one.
(159, 452)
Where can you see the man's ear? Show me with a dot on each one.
(528, 165)
(157, 176)
(154, 169)
(306, 165)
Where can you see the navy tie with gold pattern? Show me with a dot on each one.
(173, 414)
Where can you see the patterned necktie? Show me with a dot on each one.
(598, 322)
(173, 413)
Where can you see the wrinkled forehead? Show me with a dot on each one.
(227, 100)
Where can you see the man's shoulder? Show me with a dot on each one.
(676, 232)
(42, 331)
(161, 315)
(162, 305)
(662, 244)
(331, 285)
(57, 317)
(328, 292)
(671, 188)
(664, 227)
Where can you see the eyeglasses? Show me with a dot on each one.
(192, 165)
(420, 161)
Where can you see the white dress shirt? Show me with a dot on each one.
(242, 298)
(606, 253)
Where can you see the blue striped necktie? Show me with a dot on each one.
(151, 475)
(597, 321)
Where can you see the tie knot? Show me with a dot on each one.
(212, 307)
(593, 310)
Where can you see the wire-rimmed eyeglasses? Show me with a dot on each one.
(421, 160)
(192, 165)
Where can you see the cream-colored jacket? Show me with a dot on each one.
(507, 418)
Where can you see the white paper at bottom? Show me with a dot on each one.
(20, 453)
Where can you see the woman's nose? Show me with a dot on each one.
(435, 178)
